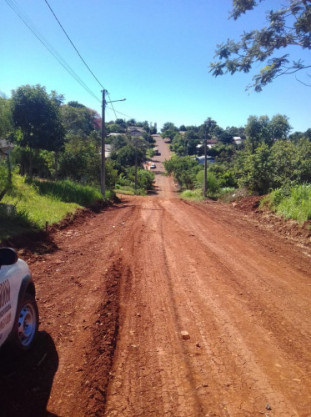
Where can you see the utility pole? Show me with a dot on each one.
(103, 173)
(205, 165)
(103, 145)
(135, 168)
(209, 124)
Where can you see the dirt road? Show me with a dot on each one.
(159, 307)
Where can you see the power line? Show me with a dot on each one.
(80, 56)
(123, 114)
(73, 45)
(30, 25)
(112, 105)
(25, 19)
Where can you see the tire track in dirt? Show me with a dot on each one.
(272, 317)
(75, 285)
(245, 350)
(149, 348)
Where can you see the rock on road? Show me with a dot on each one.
(159, 307)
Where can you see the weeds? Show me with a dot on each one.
(38, 202)
(68, 191)
(290, 202)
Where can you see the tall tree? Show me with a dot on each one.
(288, 25)
(257, 131)
(37, 115)
(279, 127)
(169, 130)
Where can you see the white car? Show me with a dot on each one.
(19, 316)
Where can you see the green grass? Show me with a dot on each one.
(195, 195)
(14, 224)
(37, 204)
(129, 190)
(68, 191)
(290, 202)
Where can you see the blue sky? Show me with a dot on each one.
(156, 53)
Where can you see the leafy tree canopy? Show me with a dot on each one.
(37, 115)
(76, 104)
(289, 25)
(184, 169)
(77, 118)
(127, 155)
(169, 130)
(263, 130)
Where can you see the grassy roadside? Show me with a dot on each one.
(34, 204)
(290, 202)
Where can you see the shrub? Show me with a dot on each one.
(213, 185)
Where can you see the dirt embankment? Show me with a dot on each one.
(159, 307)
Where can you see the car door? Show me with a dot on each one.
(10, 279)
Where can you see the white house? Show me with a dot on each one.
(5, 148)
(237, 140)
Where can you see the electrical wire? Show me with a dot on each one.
(123, 114)
(27, 21)
(73, 45)
(110, 102)
(29, 24)
(79, 54)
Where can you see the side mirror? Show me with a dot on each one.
(8, 256)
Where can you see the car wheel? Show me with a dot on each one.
(26, 324)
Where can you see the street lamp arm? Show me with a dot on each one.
(114, 101)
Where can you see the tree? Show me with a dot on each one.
(78, 119)
(254, 170)
(81, 159)
(261, 129)
(5, 177)
(117, 142)
(225, 136)
(307, 134)
(279, 127)
(184, 170)
(283, 161)
(169, 130)
(257, 131)
(208, 128)
(126, 156)
(289, 25)
(6, 122)
(37, 115)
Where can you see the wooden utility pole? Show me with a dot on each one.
(135, 168)
(103, 168)
(205, 165)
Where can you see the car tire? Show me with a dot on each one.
(26, 324)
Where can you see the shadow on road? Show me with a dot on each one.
(39, 242)
(26, 381)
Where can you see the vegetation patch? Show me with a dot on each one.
(68, 191)
(290, 202)
(31, 206)
(195, 195)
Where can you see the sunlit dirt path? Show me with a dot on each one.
(243, 300)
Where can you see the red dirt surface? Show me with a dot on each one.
(161, 307)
